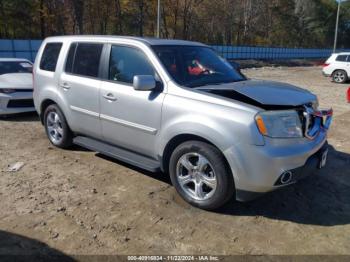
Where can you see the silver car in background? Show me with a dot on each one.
(176, 106)
(16, 86)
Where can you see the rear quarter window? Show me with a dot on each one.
(49, 57)
(341, 58)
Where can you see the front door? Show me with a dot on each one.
(130, 118)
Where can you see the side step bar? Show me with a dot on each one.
(118, 153)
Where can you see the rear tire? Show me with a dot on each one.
(57, 129)
(201, 175)
(340, 76)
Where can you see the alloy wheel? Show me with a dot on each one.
(339, 77)
(54, 127)
(196, 176)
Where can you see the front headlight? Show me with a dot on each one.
(7, 90)
(279, 124)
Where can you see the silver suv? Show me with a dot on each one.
(177, 107)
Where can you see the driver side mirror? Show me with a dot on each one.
(144, 82)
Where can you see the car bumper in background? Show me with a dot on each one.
(18, 102)
(326, 74)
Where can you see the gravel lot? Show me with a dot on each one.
(79, 202)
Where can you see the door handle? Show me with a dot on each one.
(110, 97)
(65, 85)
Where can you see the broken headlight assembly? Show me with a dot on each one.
(279, 124)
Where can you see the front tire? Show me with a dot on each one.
(340, 76)
(57, 129)
(201, 175)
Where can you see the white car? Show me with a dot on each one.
(338, 67)
(16, 86)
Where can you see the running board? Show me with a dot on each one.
(118, 153)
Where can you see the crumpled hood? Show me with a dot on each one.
(16, 80)
(265, 92)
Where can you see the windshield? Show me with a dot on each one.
(9, 67)
(195, 66)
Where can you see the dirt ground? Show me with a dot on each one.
(79, 202)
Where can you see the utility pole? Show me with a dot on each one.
(158, 20)
(336, 27)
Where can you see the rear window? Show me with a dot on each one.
(342, 58)
(84, 59)
(10, 67)
(50, 56)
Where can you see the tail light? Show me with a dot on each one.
(348, 95)
(325, 65)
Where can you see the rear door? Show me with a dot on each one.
(80, 83)
(130, 118)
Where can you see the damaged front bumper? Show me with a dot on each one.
(281, 162)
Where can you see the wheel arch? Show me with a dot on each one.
(52, 97)
(44, 104)
(179, 139)
(335, 70)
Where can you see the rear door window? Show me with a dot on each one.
(342, 58)
(84, 59)
(50, 56)
(70, 58)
